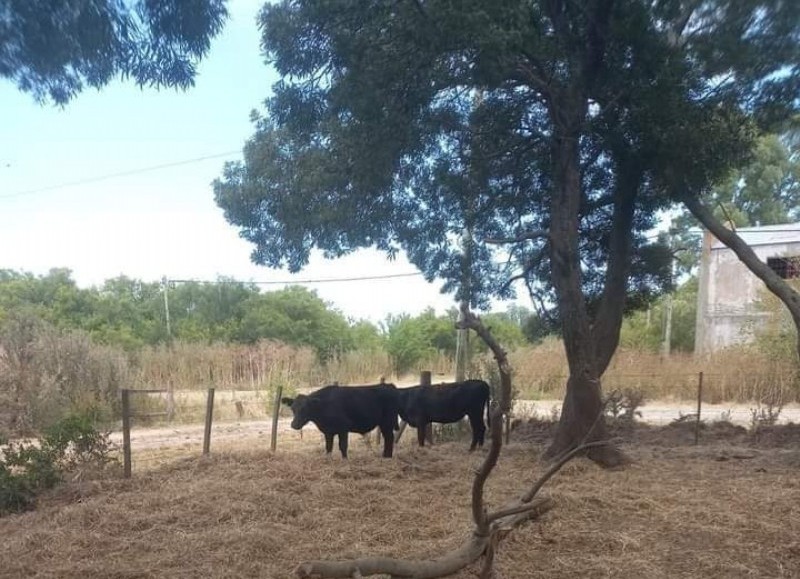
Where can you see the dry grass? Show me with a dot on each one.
(679, 511)
(738, 374)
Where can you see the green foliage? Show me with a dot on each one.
(644, 330)
(764, 191)
(414, 340)
(27, 469)
(130, 313)
(76, 440)
(776, 337)
(55, 50)
(296, 316)
(399, 126)
(367, 337)
(504, 328)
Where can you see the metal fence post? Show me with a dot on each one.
(699, 405)
(126, 432)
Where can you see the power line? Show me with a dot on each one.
(116, 175)
(300, 281)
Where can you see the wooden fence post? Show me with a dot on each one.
(126, 432)
(209, 420)
(699, 404)
(276, 409)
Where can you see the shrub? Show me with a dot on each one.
(46, 373)
(27, 469)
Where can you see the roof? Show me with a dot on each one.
(765, 235)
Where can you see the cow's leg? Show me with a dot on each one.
(328, 443)
(478, 430)
(343, 443)
(387, 431)
(422, 427)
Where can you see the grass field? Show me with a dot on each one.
(727, 508)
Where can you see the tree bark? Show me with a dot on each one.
(608, 321)
(582, 412)
(775, 284)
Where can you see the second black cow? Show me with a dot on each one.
(446, 403)
(337, 410)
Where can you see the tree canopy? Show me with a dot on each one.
(764, 191)
(53, 50)
(551, 132)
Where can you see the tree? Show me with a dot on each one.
(53, 50)
(410, 341)
(645, 329)
(555, 130)
(210, 312)
(765, 191)
(296, 316)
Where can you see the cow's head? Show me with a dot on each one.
(303, 409)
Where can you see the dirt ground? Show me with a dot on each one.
(258, 427)
(729, 507)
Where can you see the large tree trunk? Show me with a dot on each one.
(772, 280)
(608, 320)
(582, 413)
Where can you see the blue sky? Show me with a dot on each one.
(160, 222)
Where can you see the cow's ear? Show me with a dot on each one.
(287, 401)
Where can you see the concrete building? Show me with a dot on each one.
(728, 294)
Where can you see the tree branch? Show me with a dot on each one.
(731, 239)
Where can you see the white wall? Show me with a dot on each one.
(730, 313)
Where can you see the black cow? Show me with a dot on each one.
(337, 410)
(446, 403)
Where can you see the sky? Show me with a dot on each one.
(58, 210)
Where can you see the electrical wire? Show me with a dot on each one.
(116, 175)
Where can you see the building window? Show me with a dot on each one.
(786, 267)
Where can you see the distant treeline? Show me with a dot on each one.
(130, 314)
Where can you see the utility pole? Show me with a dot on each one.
(666, 343)
(165, 288)
(462, 336)
(170, 392)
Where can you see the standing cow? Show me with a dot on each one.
(337, 410)
(446, 403)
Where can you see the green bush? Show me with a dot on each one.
(27, 469)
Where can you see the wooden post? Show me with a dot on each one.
(276, 409)
(699, 404)
(425, 380)
(209, 420)
(126, 432)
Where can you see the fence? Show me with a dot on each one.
(128, 414)
(263, 405)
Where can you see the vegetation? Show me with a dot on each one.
(764, 191)
(27, 469)
(544, 126)
(54, 51)
(646, 329)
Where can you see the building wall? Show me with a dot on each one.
(729, 294)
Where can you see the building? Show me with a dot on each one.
(728, 294)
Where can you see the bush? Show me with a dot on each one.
(46, 373)
(27, 469)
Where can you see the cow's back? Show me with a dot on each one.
(356, 408)
(444, 402)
